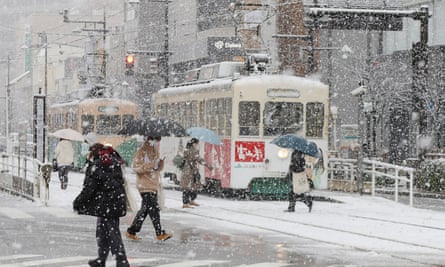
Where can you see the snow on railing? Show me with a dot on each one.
(346, 170)
(25, 176)
(376, 166)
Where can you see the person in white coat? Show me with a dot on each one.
(64, 153)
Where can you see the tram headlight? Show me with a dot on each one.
(283, 153)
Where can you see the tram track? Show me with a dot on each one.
(352, 232)
(328, 230)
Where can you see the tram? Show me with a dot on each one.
(247, 112)
(102, 116)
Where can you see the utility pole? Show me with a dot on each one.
(94, 29)
(8, 107)
(44, 40)
(166, 46)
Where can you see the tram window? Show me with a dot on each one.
(175, 112)
(201, 122)
(220, 114)
(87, 124)
(314, 119)
(189, 114)
(194, 113)
(249, 118)
(228, 114)
(282, 118)
(212, 113)
(182, 114)
(126, 119)
(163, 110)
(108, 124)
(71, 120)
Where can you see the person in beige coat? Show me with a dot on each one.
(190, 179)
(148, 165)
(64, 153)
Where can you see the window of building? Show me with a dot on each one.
(213, 14)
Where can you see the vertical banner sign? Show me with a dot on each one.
(39, 127)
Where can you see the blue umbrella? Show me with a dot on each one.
(205, 135)
(299, 143)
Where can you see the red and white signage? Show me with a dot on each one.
(249, 151)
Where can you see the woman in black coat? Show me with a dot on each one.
(103, 196)
(297, 165)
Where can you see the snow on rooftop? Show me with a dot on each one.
(358, 3)
(226, 83)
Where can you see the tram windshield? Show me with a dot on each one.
(282, 118)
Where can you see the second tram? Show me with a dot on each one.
(102, 116)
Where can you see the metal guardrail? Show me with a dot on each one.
(25, 176)
(346, 170)
(394, 172)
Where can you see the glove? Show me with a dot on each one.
(156, 166)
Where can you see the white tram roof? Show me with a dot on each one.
(92, 101)
(226, 83)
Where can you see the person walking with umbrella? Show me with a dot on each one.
(190, 180)
(64, 154)
(297, 167)
(103, 196)
(147, 165)
(297, 176)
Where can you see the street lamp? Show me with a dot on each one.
(359, 92)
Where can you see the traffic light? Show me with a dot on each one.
(419, 56)
(129, 61)
(129, 64)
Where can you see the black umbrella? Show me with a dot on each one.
(299, 143)
(153, 126)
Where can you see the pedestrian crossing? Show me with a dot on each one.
(31, 260)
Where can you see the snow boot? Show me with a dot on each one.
(163, 236)
(291, 208)
(193, 203)
(132, 236)
(122, 262)
(96, 263)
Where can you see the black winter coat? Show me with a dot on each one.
(103, 193)
(297, 162)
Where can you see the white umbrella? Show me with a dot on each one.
(68, 134)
